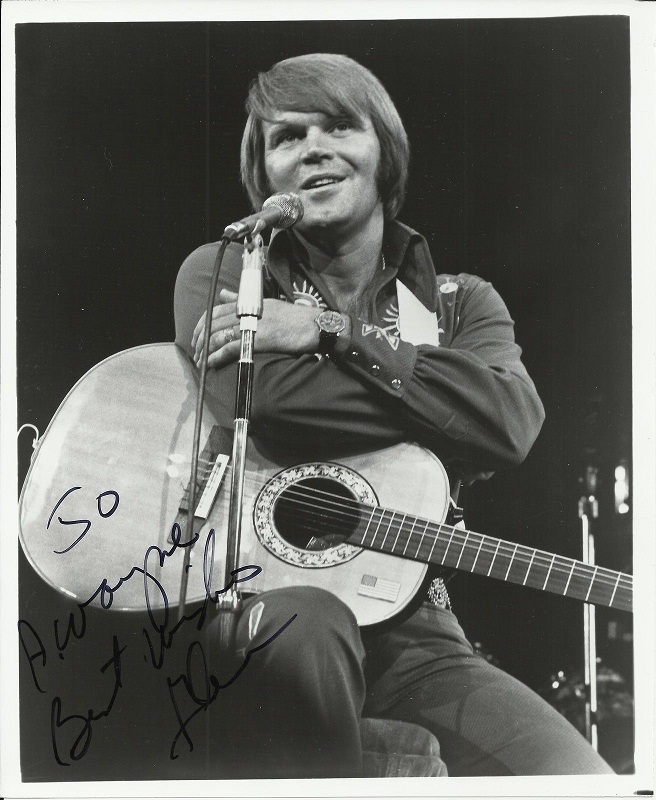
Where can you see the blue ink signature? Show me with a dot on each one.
(210, 685)
(75, 628)
(82, 741)
(85, 522)
(162, 629)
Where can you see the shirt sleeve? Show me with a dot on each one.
(472, 402)
(474, 397)
(296, 400)
(192, 287)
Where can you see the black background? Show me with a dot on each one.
(128, 144)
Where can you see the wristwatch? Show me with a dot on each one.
(330, 324)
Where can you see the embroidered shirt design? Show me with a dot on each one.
(388, 332)
(305, 294)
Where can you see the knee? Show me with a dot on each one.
(318, 609)
(313, 610)
(321, 627)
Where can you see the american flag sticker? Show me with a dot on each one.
(379, 588)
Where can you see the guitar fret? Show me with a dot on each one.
(399, 531)
(530, 564)
(421, 539)
(366, 530)
(478, 552)
(512, 558)
(569, 578)
(493, 557)
(388, 525)
(447, 547)
(435, 538)
(617, 583)
(592, 580)
(464, 547)
(440, 543)
(391, 522)
(549, 572)
(405, 546)
(624, 598)
(380, 521)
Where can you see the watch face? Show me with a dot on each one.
(331, 322)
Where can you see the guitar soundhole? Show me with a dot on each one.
(316, 514)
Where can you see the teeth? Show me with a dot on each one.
(322, 182)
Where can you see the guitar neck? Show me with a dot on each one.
(432, 543)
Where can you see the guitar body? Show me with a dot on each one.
(103, 511)
(107, 483)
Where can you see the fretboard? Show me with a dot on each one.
(433, 543)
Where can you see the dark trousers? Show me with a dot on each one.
(295, 710)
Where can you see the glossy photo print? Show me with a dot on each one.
(415, 472)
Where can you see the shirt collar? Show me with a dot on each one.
(406, 253)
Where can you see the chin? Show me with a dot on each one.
(319, 222)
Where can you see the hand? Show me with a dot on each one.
(284, 328)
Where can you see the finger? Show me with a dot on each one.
(226, 296)
(220, 324)
(219, 336)
(224, 309)
(225, 336)
(224, 355)
(197, 330)
(218, 312)
(218, 340)
(198, 345)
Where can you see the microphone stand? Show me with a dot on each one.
(249, 310)
(589, 510)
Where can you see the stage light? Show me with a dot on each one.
(621, 489)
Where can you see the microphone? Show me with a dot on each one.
(279, 210)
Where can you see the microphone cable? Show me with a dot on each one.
(200, 401)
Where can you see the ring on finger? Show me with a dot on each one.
(230, 334)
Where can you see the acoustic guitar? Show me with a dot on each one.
(107, 490)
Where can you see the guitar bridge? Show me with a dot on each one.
(212, 487)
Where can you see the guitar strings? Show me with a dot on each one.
(430, 537)
(337, 502)
(352, 510)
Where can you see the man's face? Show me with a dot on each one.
(330, 162)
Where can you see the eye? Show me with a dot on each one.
(285, 136)
(342, 126)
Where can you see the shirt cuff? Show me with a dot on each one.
(381, 357)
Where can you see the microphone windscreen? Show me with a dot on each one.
(290, 206)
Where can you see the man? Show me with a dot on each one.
(408, 356)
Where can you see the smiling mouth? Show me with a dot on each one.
(320, 182)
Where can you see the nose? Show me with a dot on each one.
(317, 145)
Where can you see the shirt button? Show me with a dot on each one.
(375, 369)
(396, 383)
(354, 355)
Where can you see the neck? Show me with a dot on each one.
(349, 264)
